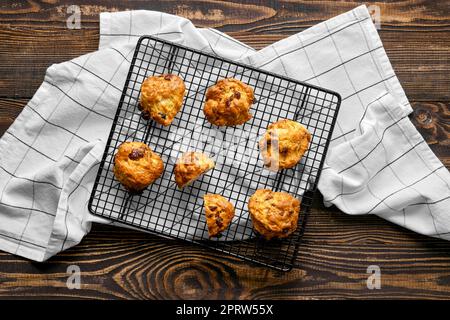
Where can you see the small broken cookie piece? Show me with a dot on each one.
(228, 103)
(274, 214)
(190, 166)
(219, 212)
(284, 144)
(136, 166)
(162, 97)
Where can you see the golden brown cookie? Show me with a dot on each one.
(228, 103)
(219, 213)
(136, 166)
(290, 138)
(190, 166)
(162, 97)
(274, 214)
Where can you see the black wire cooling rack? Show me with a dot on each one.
(167, 211)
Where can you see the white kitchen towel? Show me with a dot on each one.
(377, 162)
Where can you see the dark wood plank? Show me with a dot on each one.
(9, 110)
(433, 122)
(417, 41)
(432, 119)
(212, 13)
(419, 59)
(332, 263)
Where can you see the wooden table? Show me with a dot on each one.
(336, 249)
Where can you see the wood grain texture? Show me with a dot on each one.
(421, 61)
(336, 249)
(207, 13)
(415, 34)
(433, 121)
(333, 259)
(9, 110)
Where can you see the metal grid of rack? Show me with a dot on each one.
(164, 209)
